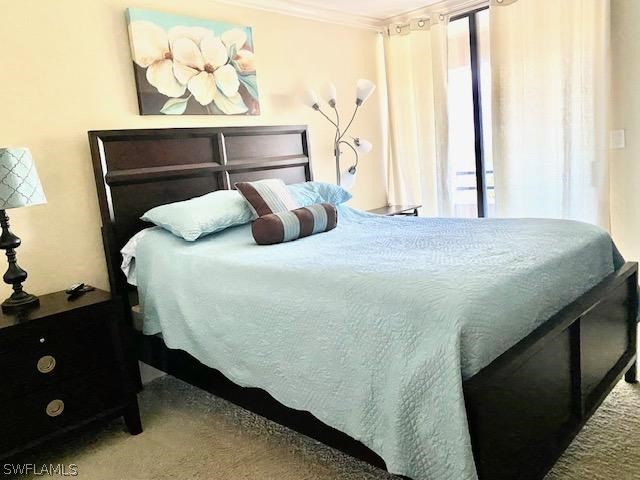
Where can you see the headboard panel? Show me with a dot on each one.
(136, 170)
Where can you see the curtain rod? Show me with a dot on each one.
(425, 20)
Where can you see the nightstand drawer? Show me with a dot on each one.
(63, 405)
(64, 353)
(36, 334)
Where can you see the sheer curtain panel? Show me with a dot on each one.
(416, 68)
(550, 72)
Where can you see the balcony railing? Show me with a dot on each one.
(469, 173)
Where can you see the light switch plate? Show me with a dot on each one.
(617, 139)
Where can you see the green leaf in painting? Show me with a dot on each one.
(229, 105)
(250, 81)
(175, 106)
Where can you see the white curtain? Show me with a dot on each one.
(550, 78)
(416, 70)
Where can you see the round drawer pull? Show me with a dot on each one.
(55, 408)
(42, 340)
(46, 364)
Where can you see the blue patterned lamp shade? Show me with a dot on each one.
(19, 182)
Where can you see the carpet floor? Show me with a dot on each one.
(190, 434)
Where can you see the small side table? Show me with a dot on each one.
(403, 210)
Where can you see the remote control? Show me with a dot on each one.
(77, 290)
(74, 289)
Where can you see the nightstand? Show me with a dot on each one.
(404, 210)
(63, 365)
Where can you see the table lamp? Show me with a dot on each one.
(19, 187)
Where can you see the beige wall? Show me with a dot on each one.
(625, 164)
(65, 68)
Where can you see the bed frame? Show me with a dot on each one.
(523, 409)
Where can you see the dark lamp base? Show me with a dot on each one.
(14, 276)
(18, 302)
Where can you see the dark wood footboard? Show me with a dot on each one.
(526, 406)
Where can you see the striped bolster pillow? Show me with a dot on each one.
(301, 222)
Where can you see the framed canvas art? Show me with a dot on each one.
(192, 66)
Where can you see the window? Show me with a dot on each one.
(469, 93)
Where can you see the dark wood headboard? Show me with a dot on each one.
(136, 170)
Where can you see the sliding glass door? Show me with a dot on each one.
(469, 104)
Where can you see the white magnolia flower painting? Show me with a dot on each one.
(190, 66)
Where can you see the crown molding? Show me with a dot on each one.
(311, 12)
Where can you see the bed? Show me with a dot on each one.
(512, 391)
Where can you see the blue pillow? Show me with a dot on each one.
(311, 193)
(192, 219)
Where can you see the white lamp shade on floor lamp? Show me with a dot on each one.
(347, 179)
(331, 93)
(362, 145)
(310, 98)
(364, 89)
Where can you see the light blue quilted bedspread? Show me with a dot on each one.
(373, 326)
